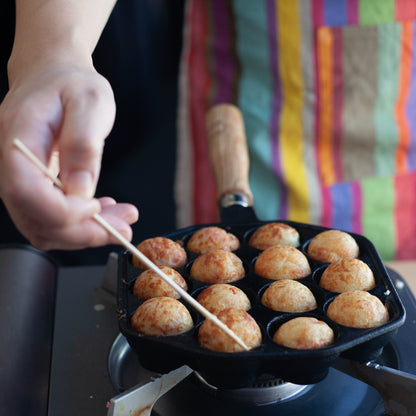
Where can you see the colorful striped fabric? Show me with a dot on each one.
(327, 89)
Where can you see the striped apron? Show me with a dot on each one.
(327, 89)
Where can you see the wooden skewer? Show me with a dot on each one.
(130, 247)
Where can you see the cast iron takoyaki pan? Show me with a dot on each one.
(235, 370)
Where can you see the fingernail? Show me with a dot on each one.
(80, 183)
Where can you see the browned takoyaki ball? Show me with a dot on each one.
(274, 234)
(332, 245)
(210, 336)
(288, 296)
(358, 309)
(282, 262)
(210, 238)
(304, 333)
(221, 296)
(217, 266)
(347, 274)
(150, 285)
(162, 251)
(162, 316)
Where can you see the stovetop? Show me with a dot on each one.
(85, 328)
(92, 318)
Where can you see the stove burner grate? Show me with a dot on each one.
(265, 390)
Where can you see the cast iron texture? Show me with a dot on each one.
(225, 370)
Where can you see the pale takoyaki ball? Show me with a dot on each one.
(288, 296)
(347, 274)
(282, 262)
(332, 245)
(304, 333)
(162, 316)
(221, 296)
(150, 285)
(162, 251)
(358, 309)
(210, 336)
(217, 266)
(210, 238)
(274, 234)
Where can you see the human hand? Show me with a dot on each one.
(62, 113)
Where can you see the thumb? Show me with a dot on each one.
(85, 126)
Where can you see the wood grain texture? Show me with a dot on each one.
(228, 150)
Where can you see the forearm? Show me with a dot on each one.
(50, 31)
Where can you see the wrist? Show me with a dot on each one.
(22, 63)
(56, 33)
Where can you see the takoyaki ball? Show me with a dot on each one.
(304, 333)
(282, 262)
(150, 285)
(213, 338)
(210, 238)
(162, 316)
(221, 296)
(358, 309)
(347, 274)
(332, 245)
(274, 234)
(288, 296)
(217, 266)
(162, 251)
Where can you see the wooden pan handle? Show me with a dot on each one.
(228, 153)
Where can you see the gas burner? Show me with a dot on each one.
(267, 389)
(336, 394)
